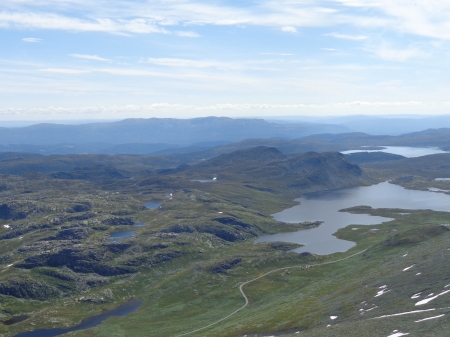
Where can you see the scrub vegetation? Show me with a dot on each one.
(59, 266)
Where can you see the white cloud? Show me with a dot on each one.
(386, 52)
(329, 49)
(187, 34)
(429, 18)
(31, 39)
(277, 54)
(214, 107)
(89, 57)
(64, 71)
(348, 37)
(289, 29)
(184, 63)
(60, 22)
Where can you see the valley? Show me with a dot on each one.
(191, 255)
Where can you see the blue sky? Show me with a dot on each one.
(72, 59)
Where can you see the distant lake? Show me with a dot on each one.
(139, 224)
(152, 205)
(325, 206)
(205, 180)
(119, 236)
(123, 310)
(408, 152)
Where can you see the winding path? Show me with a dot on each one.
(259, 277)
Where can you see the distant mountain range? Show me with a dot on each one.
(200, 138)
(150, 135)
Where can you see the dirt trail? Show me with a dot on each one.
(241, 289)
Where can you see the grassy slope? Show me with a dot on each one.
(184, 294)
(305, 299)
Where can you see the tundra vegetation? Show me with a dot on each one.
(59, 266)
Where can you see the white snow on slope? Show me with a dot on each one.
(416, 295)
(382, 292)
(404, 313)
(407, 268)
(398, 334)
(427, 319)
(425, 301)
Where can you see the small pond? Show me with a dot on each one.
(325, 206)
(442, 179)
(119, 236)
(213, 180)
(16, 319)
(139, 224)
(409, 152)
(152, 205)
(91, 322)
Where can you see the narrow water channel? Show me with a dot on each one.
(91, 322)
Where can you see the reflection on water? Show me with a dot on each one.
(152, 205)
(205, 180)
(16, 319)
(119, 236)
(123, 310)
(409, 152)
(434, 189)
(325, 206)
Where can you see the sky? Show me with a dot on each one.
(80, 59)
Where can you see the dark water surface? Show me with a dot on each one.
(119, 236)
(123, 310)
(325, 206)
(16, 319)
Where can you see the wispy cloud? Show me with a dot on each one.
(60, 22)
(31, 39)
(277, 54)
(289, 29)
(348, 37)
(64, 71)
(385, 51)
(89, 57)
(429, 18)
(187, 34)
(184, 63)
(214, 107)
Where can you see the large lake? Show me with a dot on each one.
(325, 206)
(409, 152)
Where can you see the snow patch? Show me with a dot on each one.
(405, 255)
(427, 319)
(333, 317)
(418, 274)
(416, 295)
(407, 268)
(7, 226)
(398, 334)
(382, 292)
(425, 301)
(404, 313)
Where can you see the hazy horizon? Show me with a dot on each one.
(73, 59)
